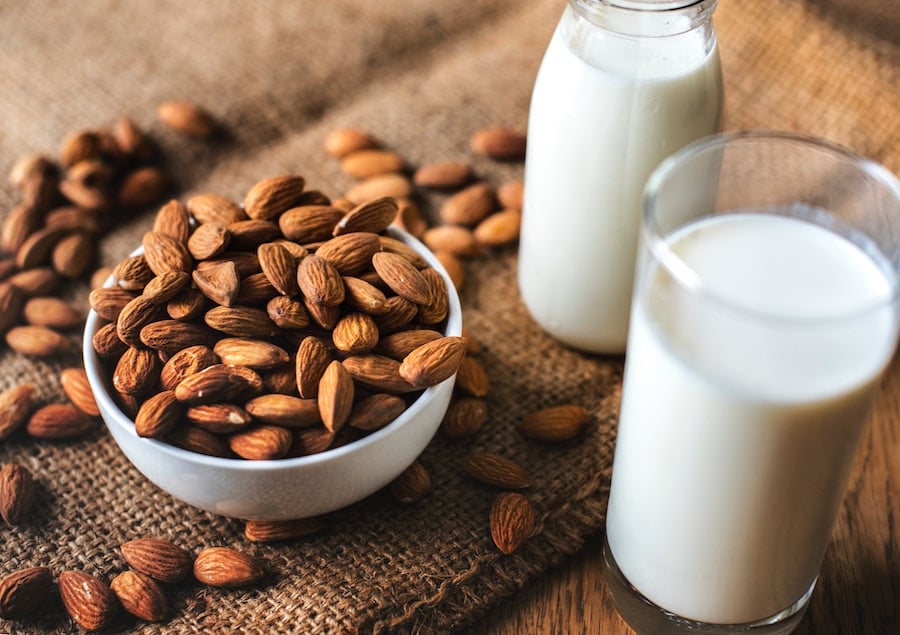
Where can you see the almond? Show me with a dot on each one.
(140, 596)
(453, 266)
(142, 186)
(471, 378)
(409, 217)
(376, 411)
(18, 224)
(158, 558)
(464, 417)
(227, 567)
(284, 410)
(372, 216)
(255, 354)
(468, 206)
(393, 185)
(497, 470)
(132, 273)
(378, 372)
(137, 371)
(311, 440)
(443, 175)
(250, 234)
(187, 118)
(343, 141)
(101, 277)
(37, 248)
(173, 220)
(171, 336)
(132, 142)
(270, 197)
(164, 253)
(52, 312)
(433, 362)
(402, 277)
(320, 281)
(412, 484)
(400, 344)
(241, 321)
(350, 253)
(208, 241)
(219, 418)
(15, 405)
(501, 228)
(194, 439)
(355, 333)
(256, 289)
(22, 592)
(512, 521)
(38, 341)
(190, 304)
(87, 599)
(399, 314)
(16, 493)
(220, 282)
(166, 286)
(498, 142)
(287, 313)
(12, 299)
(309, 223)
(394, 246)
(158, 415)
(106, 342)
(363, 164)
(72, 256)
(75, 384)
(438, 305)
(261, 443)
(219, 383)
(73, 218)
(79, 146)
(279, 267)
(363, 296)
(281, 380)
(454, 239)
(135, 315)
(37, 281)
(510, 195)
(212, 208)
(312, 359)
(555, 424)
(108, 302)
(184, 363)
(279, 530)
(324, 315)
(335, 396)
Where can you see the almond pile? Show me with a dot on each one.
(51, 235)
(274, 329)
(476, 216)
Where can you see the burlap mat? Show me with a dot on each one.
(422, 76)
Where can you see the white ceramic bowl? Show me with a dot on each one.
(284, 488)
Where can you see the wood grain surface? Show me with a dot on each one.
(858, 591)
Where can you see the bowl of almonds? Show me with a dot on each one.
(275, 359)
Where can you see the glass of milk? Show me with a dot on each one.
(764, 312)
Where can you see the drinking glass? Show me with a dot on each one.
(764, 312)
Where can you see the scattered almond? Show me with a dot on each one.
(498, 142)
(140, 596)
(555, 424)
(87, 599)
(15, 405)
(227, 567)
(187, 118)
(16, 493)
(158, 558)
(75, 384)
(496, 470)
(412, 484)
(511, 521)
(24, 591)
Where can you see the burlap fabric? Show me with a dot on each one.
(422, 76)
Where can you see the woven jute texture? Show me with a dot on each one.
(422, 76)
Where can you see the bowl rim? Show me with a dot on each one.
(110, 410)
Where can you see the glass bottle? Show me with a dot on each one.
(623, 84)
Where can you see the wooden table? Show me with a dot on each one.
(858, 590)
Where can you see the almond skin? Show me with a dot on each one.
(402, 277)
(279, 267)
(284, 410)
(212, 208)
(376, 411)
(22, 592)
(255, 354)
(470, 205)
(472, 378)
(261, 443)
(140, 595)
(393, 185)
(280, 530)
(312, 359)
(164, 253)
(16, 493)
(218, 383)
(343, 141)
(363, 164)
(75, 384)
(37, 341)
(443, 175)
(355, 333)
(184, 363)
(187, 118)
(512, 521)
(378, 372)
(158, 415)
(158, 558)
(350, 253)
(270, 197)
(372, 216)
(227, 567)
(554, 425)
(501, 228)
(15, 405)
(433, 362)
(496, 470)
(87, 599)
(412, 484)
(454, 239)
(58, 421)
(320, 281)
(335, 396)
(498, 142)
(465, 416)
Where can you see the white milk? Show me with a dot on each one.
(737, 434)
(605, 111)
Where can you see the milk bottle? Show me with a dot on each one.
(623, 84)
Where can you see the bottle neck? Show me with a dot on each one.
(647, 18)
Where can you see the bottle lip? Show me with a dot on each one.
(656, 5)
(646, 18)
